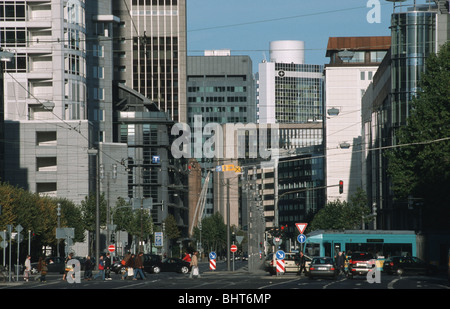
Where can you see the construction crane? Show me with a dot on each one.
(200, 207)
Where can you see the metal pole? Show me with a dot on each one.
(97, 211)
(59, 225)
(228, 224)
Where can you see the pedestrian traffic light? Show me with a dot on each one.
(341, 186)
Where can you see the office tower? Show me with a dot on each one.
(150, 51)
(45, 113)
(290, 91)
(353, 63)
(220, 89)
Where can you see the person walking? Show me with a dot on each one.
(101, 269)
(108, 266)
(88, 266)
(67, 268)
(340, 263)
(187, 257)
(301, 261)
(27, 271)
(129, 265)
(139, 266)
(42, 268)
(194, 264)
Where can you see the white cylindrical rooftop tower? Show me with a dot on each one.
(287, 52)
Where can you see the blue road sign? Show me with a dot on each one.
(158, 239)
(156, 159)
(280, 255)
(301, 238)
(212, 255)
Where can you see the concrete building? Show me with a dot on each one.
(45, 105)
(353, 63)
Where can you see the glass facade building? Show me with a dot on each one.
(413, 40)
(298, 94)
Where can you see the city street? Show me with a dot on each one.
(239, 279)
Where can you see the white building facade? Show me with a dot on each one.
(353, 63)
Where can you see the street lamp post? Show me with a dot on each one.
(95, 152)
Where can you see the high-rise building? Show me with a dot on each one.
(290, 91)
(417, 30)
(45, 103)
(220, 89)
(150, 51)
(353, 63)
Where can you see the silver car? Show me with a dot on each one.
(323, 267)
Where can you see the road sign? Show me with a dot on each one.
(280, 266)
(239, 239)
(277, 241)
(111, 248)
(233, 248)
(301, 238)
(301, 227)
(212, 264)
(158, 239)
(212, 255)
(228, 168)
(280, 255)
(156, 159)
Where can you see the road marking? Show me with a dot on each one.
(391, 284)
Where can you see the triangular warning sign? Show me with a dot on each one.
(301, 227)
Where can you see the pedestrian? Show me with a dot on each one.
(101, 269)
(129, 265)
(42, 268)
(67, 268)
(194, 264)
(27, 271)
(340, 262)
(301, 261)
(187, 257)
(108, 266)
(88, 266)
(139, 266)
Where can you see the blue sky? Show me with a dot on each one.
(246, 27)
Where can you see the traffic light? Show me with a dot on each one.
(341, 186)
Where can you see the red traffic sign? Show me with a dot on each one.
(111, 248)
(301, 227)
(233, 248)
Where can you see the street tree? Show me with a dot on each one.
(420, 166)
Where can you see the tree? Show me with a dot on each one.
(421, 167)
(342, 215)
(213, 233)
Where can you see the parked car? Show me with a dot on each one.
(290, 263)
(360, 263)
(54, 264)
(322, 267)
(152, 263)
(408, 265)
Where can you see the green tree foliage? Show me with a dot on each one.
(213, 233)
(342, 215)
(171, 228)
(37, 214)
(422, 169)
